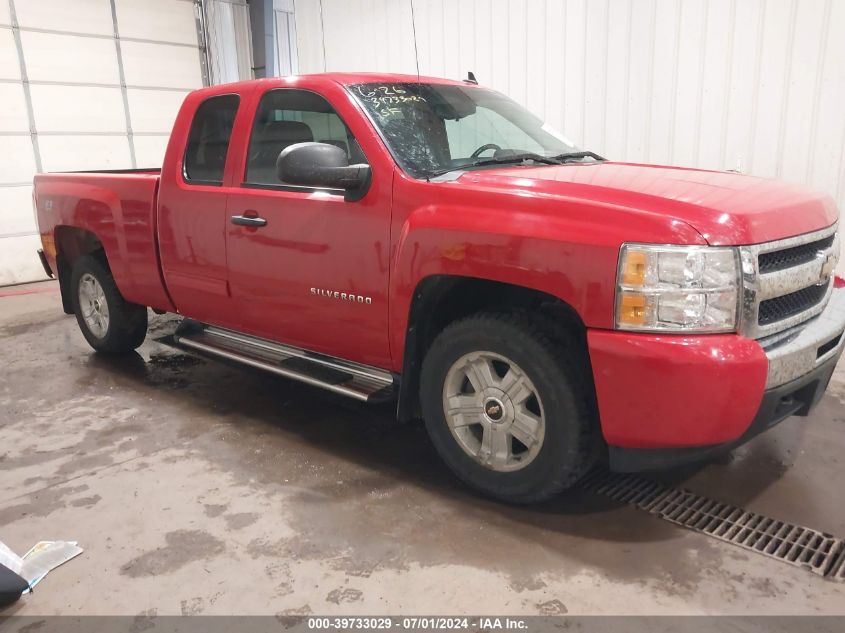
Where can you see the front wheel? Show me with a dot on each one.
(108, 322)
(507, 407)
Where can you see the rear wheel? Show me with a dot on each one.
(507, 407)
(109, 323)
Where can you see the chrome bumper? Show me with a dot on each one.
(796, 352)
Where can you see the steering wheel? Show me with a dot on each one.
(483, 149)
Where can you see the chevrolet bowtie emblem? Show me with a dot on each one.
(828, 266)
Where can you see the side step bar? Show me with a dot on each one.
(362, 382)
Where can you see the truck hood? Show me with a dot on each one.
(726, 208)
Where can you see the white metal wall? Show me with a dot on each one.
(754, 85)
(227, 34)
(84, 84)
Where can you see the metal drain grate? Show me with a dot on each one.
(837, 570)
(803, 547)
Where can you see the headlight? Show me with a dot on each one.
(677, 288)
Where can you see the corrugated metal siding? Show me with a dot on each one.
(755, 85)
(84, 85)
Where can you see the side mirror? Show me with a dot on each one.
(322, 165)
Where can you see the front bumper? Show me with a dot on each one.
(794, 398)
(669, 399)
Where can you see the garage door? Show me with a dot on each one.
(87, 84)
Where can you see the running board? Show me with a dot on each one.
(362, 382)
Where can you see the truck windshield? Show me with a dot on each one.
(432, 129)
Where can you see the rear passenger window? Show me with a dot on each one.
(208, 140)
(287, 116)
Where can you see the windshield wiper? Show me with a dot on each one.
(508, 159)
(578, 156)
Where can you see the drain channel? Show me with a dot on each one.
(815, 551)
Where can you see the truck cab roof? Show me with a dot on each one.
(344, 79)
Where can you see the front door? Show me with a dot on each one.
(307, 267)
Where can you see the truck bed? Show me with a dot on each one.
(119, 209)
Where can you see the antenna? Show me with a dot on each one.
(471, 78)
(416, 52)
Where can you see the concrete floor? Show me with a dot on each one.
(196, 487)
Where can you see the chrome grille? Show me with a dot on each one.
(772, 310)
(789, 257)
(785, 281)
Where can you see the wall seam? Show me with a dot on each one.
(563, 77)
(30, 112)
(821, 59)
(723, 150)
(295, 42)
(123, 91)
(784, 95)
(841, 178)
(755, 97)
(202, 42)
(702, 65)
(101, 36)
(323, 33)
(650, 85)
(606, 72)
(584, 77)
(627, 94)
(673, 112)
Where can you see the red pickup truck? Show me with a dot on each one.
(432, 242)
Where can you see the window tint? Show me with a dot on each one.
(290, 116)
(208, 140)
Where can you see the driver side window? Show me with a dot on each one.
(287, 116)
(486, 126)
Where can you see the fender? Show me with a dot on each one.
(566, 249)
(122, 217)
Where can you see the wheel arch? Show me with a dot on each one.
(439, 300)
(72, 243)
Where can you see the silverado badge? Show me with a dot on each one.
(343, 296)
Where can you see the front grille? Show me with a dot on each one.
(779, 281)
(783, 307)
(795, 256)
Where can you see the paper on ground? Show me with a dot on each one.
(9, 559)
(43, 558)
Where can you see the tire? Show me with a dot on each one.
(118, 326)
(514, 470)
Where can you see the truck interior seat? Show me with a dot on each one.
(268, 142)
(206, 157)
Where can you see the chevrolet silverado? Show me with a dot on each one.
(389, 237)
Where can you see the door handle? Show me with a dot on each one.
(249, 220)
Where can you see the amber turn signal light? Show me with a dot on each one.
(632, 308)
(633, 268)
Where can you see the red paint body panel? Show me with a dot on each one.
(727, 209)
(658, 391)
(565, 246)
(556, 229)
(120, 209)
(313, 240)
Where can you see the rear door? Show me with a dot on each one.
(316, 274)
(192, 212)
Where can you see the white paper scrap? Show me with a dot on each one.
(44, 557)
(9, 559)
